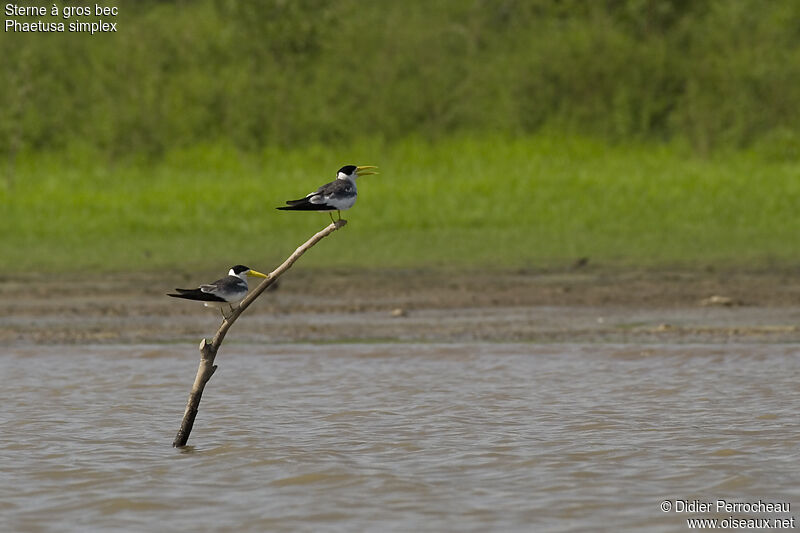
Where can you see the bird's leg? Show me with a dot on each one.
(222, 310)
(331, 215)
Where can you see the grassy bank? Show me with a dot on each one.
(469, 202)
(286, 73)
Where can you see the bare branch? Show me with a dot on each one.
(208, 351)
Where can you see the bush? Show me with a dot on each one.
(284, 73)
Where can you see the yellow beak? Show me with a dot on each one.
(256, 274)
(366, 167)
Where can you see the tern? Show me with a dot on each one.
(225, 292)
(338, 195)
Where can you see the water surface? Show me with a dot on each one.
(395, 437)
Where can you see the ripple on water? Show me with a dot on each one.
(394, 437)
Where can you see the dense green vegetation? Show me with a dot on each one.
(524, 132)
(514, 203)
(282, 73)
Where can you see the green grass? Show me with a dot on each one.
(457, 203)
(716, 73)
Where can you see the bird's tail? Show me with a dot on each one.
(180, 295)
(194, 294)
(298, 201)
(306, 206)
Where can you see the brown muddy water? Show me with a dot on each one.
(397, 437)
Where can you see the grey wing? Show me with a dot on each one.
(210, 288)
(228, 284)
(336, 188)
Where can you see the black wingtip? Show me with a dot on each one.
(307, 207)
(298, 201)
(181, 293)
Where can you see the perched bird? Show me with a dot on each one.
(338, 195)
(225, 292)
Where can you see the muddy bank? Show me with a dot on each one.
(573, 306)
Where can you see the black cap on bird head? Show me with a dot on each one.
(353, 171)
(347, 170)
(238, 269)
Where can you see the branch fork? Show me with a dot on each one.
(208, 350)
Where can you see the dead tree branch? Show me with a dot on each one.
(208, 350)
